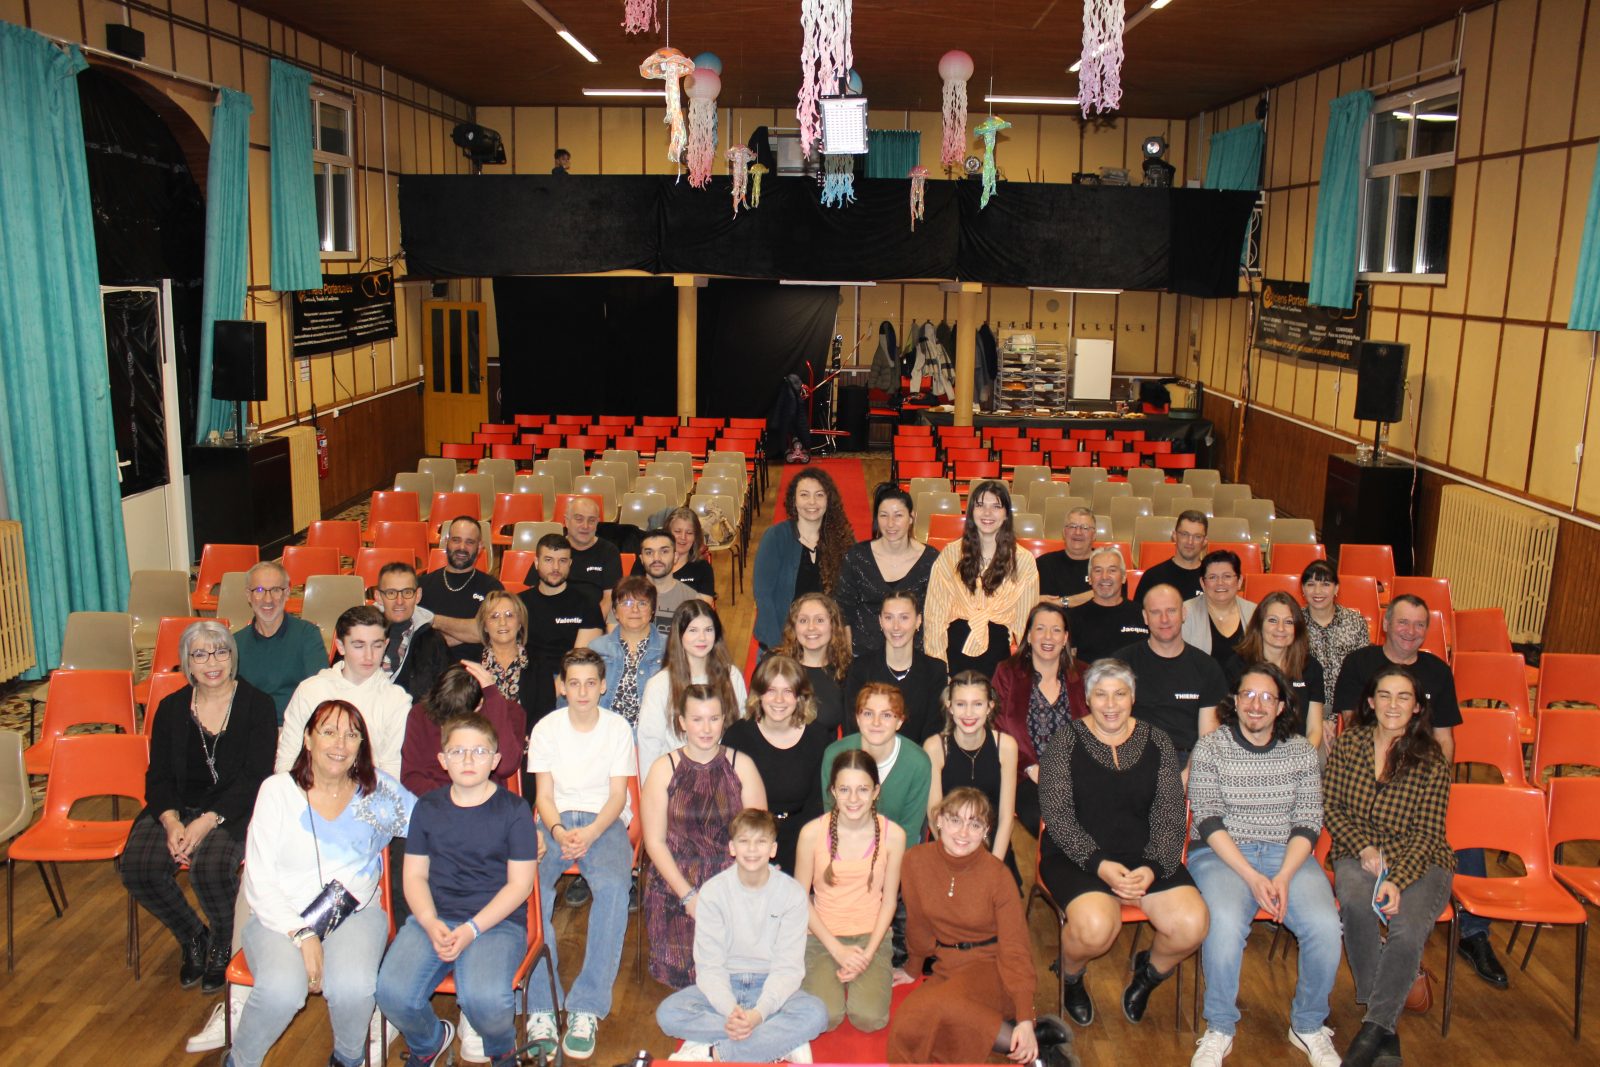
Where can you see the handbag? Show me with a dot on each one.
(334, 903)
(1420, 997)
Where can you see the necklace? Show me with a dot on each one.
(952, 890)
(899, 676)
(445, 577)
(210, 750)
(972, 757)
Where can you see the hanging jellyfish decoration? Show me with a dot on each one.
(1100, 76)
(988, 129)
(702, 87)
(825, 61)
(919, 194)
(839, 181)
(638, 15)
(739, 157)
(756, 171)
(955, 67)
(670, 65)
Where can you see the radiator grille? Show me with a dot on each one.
(304, 487)
(1496, 553)
(16, 614)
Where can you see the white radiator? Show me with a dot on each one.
(304, 486)
(16, 614)
(1496, 553)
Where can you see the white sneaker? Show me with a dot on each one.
(214, 1034)
(469, 1048)
(580, 1039)
(1212, 1049)
(696, 1051)
(1317, 1045)
(801, 1053)
(379, 1053)
(543, 1033)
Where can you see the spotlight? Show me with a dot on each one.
(479, 143)
(1157, 171)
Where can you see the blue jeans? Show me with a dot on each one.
(1470, 861)
(349, 976)
(413, 970)
(1312, 918)
(608, 868)
(689, 1015)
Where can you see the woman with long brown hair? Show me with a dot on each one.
(1038, 692)
(696, 655)
(814, 634)
(781, 736)
(1276, 634)
(982, 587)
(803, 554)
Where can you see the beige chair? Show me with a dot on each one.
(1105, 492)
(1202, 480)
(420, 484)
(1084, 479)
(1170, 499)
(559, 471)
(1202, 504)
(604, 485)
(627, 457)
(928, 485)
(1152, 528)
(16, 798)
(726, 455)
(679, 473)
(93, 641)
(930, 504)
(1259, 513)
(683, 461)
(734, 548)
(442, 471)
(664, 485)
(233, 601)
(730, 473)
(617, 471)
(152, 596)
(327, 597)
(525, 535)
(1291, 532)
(501, 471)
(1102, 527)
(575, 458)
(1028, 524)
(1145, 479)
(541, 484)
(638, 507)
(717, 485)
(1055, 512)
(1029, 473)
(1123, 511)
(483, 485)
(1226, 495)
(1229, 528)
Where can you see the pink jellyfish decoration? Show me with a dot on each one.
(702, 88)
(739, 157)
(919, 194)
(955, 67)
(1100, 74)
(670, 65)
(637, 16)
(825, 61)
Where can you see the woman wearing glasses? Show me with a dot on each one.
(210, 749)
(634, 651)
(1216, 620)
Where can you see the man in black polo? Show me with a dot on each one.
(1064, 574)
(1179, 686)
(455, 591)
(1405, 627)
(1183, 571)
(1109, 620)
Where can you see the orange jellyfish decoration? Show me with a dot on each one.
(670, 65)
(739, 157)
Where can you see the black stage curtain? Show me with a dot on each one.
(586, 345)
(752, 334)
(1181, 240)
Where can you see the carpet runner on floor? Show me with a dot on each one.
(850, 476)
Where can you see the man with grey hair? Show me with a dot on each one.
(1064, 574)
(277, 651)
(1109, 620)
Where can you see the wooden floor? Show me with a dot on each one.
(71, 1000)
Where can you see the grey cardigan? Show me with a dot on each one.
(1197, 621)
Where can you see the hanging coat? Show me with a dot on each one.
(933, 359)
(885, 372)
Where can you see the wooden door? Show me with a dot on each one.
(454, 368)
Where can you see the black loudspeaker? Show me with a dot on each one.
(239, 360)
(1381, 381)
(124, 40)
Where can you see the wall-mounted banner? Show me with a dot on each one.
(1289, 324)
(349, 310)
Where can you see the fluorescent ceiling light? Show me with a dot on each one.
(561, 30)
(1069, 101)
(798, 281)
(1159, 4)
(657, 93)
(1077, 65)
(1079, 292)
(566, 35)
(1429, 116)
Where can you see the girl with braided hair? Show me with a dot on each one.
(849, 861)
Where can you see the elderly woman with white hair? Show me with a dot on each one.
(211, 747)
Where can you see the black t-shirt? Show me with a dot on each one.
(553, 625)
(599, 566)
(1171, 692)
(1099, 631)
(808, 576)
(1167, 572)
(1061, 575)
(1438, 684)
(468, 849)
(460, 602)
(1308, 689)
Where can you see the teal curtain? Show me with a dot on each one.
(296, 247)
(891, 153)
(1586, 291)
(227, 275)
(57, 449)
(1336, 249)
(1234, 161)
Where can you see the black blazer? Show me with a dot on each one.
(244, 758)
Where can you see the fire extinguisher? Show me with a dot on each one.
(322, 447)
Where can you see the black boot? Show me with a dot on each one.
(1364, 1050)
(216, 973)
(194, 958)
(1075, 1000)
(1144, 981)
(1055, 1042)
(1478, 952)
(1389, 1051)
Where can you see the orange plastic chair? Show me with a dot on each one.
(515, 565)
(1133, 583)
(1565, 736)
(301, 562)
(169, 631)
(1374, 561)
(162, 684)
(1360, 593)
(91, 765)
(1490, 736)
(512, 508)
(1257, 586)
(457, 450)
(1249, 554)
(948, 527)
(215, 561)
(81, 698)
(1293, 559)
(1124, 547)
(1498, 677)
(1154, 552)
(453, 505)
(407, 535)
(392, 505)
(342, 534)
(1482, 630)
(1437, 639)
(1568, 678)
(1512, 819)
(1038, 546)
(1574, 815)
(518, 453)
(369, 561)
(491, 439)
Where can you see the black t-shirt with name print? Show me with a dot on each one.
(553, 625)
(1431, 672)
(1171, 692)
(599, 566)
(1167, 572)
(1098, 631)
(1061, 575)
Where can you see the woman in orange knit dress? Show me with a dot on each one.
(963, 911)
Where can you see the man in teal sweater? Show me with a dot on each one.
(276, 650)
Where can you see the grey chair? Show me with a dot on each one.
(1259, 512)
(605, 486)
(500, 471)
(627, 457)
(1145, 479)
(559, 471)
(93, 641)
(152, 596)
(928, 485)
(1029, 524)
(1124, 510)
(420, 484)
(1083, 480)
(1202, 480)
(442, 471)
(525, 535)
(1170, 499)
(1226, 495)
(483, 485)
(233, 601)
(931, 504)
(327, 597)
(1105, 492)
(1229, 528)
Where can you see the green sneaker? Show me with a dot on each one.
(543, 1034)
(579, 1042)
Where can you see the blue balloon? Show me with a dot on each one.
(710, 61)
(855, 80)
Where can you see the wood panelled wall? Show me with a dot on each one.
(632, 140)
(367, 443)
(401, 126)
(1498, 389)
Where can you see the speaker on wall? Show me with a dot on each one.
(239, 360)
(1381, 381)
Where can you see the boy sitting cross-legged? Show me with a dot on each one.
(750, 958)
(581, 756)
(470, 863)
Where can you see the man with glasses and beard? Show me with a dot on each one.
(277, 651)
(415, 654)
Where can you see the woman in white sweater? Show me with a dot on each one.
(318, 834)
(696, 655)
(359, 636)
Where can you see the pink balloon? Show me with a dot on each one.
(703, 84)
(956, 65)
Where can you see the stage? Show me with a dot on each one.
(1186, 435)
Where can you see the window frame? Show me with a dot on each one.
(1424, 166)
(321, 162)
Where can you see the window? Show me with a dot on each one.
(334, 166)
(1409, 190)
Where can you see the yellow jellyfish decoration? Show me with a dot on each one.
(756, 171)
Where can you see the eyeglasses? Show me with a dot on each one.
(1250, 696)
(459, 754)
(1078, 527)
(328, 733)
(1221, 576)
(502, 616)
(269, 590)
(403, 594)
(633, 602)
(202, 655)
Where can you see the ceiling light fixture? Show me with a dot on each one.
(561, 30)
(1157, 5)
(1076, 292)
(657, 93)
(1068, 101)
(798, 281)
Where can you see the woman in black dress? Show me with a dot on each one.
(893, 561)
(1111, 790)
(969, 751)
(782, 738)
(900, 662)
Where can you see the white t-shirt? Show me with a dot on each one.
(581, 764)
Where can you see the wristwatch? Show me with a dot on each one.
(302, 935)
